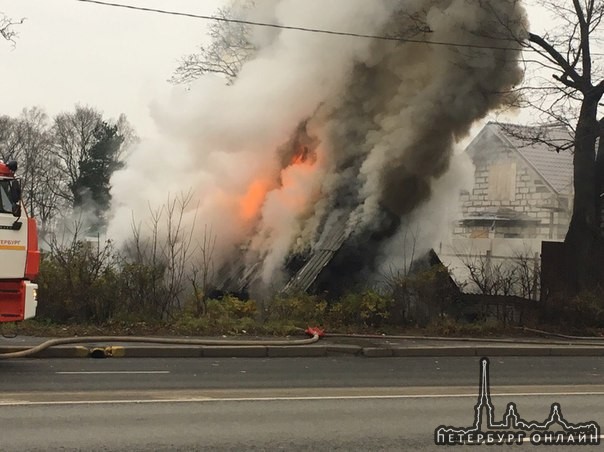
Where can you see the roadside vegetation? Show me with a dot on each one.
(86, 287)
(149, 287)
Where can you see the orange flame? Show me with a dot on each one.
(293, 191)
(303, 162)
(302, 156)
(251, 203)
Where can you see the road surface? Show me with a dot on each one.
(314, 404)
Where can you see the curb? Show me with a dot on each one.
(305, 351)
(233, 352)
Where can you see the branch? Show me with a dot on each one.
(585, 47)
(580, 15)
(6, 28)
(577, 81)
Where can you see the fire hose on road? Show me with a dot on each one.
(151, 340)
(315, 333)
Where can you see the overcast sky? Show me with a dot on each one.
(113, 59)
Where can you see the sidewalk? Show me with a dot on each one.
(328, 346)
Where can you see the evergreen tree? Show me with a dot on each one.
(92, 188)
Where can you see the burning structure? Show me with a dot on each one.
(323, 146)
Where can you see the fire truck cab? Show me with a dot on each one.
(19, 254)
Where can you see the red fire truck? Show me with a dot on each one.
(19, 254)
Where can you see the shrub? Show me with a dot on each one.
(144, 294)
(446, 326)
(368, 308)
(300, 308)
(227, 315)
(79, 282)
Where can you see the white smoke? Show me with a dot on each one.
(380, 121)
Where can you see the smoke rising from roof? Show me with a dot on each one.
(318, 129)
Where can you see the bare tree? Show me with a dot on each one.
(515, 275)
(572, 97)
(10, 146)
(128, 134)
(203, 272)
(178, 245)
(28, 139)
(229, 48)
(158, 259)
(7, 27)
(528, 272)
(74, 137)
(39, 176)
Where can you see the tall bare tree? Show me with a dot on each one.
(7, 27)
(572, 96)
(128, 135)
(9, 141)
(229, 47)
(28, 139)
(74, 134)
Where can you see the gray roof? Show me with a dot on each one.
(547, 149)
(334, 235)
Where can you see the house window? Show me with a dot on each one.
(502, 181)
(479, 233)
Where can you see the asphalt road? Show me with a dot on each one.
(275, 404)
(330, 372)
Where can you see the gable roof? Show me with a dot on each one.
(538, 147)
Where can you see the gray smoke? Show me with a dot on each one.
(319, 129)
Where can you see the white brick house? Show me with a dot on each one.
(522, 188)
(521, 196)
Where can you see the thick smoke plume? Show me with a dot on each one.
(321, 129)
